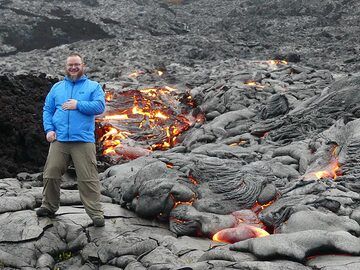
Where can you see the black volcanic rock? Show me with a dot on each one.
(314, 33)
(22, 139)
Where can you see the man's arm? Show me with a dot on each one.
(95, 106)
(48, 112)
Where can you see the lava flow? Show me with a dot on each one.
(239, 233)
(139, 121)
(248, 226)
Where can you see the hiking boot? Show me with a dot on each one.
(99, 222)
(44, 212)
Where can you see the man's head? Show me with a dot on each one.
(75, 66)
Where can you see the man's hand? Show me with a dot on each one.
(71, 104)
(51, 136)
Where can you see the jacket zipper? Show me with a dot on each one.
(71, 94)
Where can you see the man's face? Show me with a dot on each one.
(75, 68)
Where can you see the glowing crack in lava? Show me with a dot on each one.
(139, 121)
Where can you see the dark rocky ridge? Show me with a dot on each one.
(47, 33)
(321, 34)
(259, 143)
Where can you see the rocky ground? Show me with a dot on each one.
(254, 162)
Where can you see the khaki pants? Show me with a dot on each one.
(83, 156)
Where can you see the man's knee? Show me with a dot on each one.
(53, 172)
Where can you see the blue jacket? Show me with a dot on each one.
(73, 125)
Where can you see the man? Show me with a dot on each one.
(69, 122)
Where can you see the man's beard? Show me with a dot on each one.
(77, 76)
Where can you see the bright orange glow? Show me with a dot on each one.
(149, 90)
(109, 151)
(277, 62)
(332, 170)
(239, 233)
(182, 203)
(250, 83)
(150, 118)
(178, 220)
(109, 95)
(171, 89)
(161, 115)
(254, 84)
(135, 74)
(238, 143)
(193, 180)
(117, 117)
(257, 207)
(177, 203)
(160, 73)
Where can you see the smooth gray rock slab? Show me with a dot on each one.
(18, 255)
(45, 260)
(115, 210)
(334, 262)
(9, 184)
(160, 256)
(16, 203)
(297, 246)
(106, 246)
(184, 244)
(248, 265)
(275, 265)
(226, 255)
(315, 220)
(355, 215)
(13, 197)
(110, 211)
(71, 197)
(188, 249)
(21, 226)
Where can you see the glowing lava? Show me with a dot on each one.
(143, 120)
(277, 62)
(331, 170)
(239, 233)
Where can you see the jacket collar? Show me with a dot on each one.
(82, 78)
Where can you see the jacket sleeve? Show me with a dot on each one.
(96, 105)
(48, 112)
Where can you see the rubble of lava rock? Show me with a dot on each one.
(269, 180)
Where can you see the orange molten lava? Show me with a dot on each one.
(109, 95)
(177, 203)
(136, 73)
(333, 171)
(193, 180)
(239, 233)
(254, 84)
(148, 119)
(257, 207)
(277, 62)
